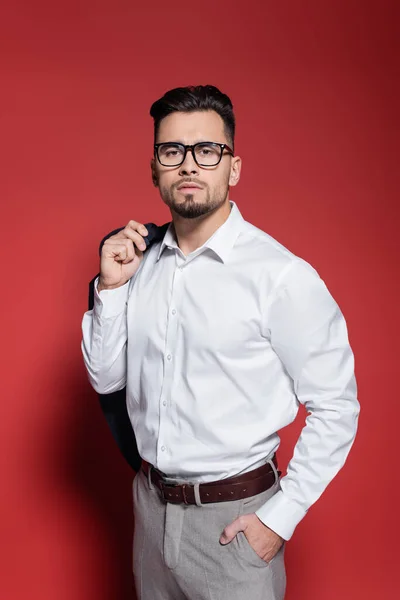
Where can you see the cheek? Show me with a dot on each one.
(222, 183)
(166, 180)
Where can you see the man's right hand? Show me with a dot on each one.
(121, 256)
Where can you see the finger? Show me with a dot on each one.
(131, 252)
(119, 253)
(136, 238)
(231, 531)
(112, 245)
(131, 232)
(137, 227)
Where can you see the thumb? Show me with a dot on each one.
(231, 531)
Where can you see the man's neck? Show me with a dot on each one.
(193, 233)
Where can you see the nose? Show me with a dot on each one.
(189, 165)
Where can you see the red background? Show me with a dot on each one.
(314, 90)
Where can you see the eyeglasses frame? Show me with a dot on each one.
(191, 147)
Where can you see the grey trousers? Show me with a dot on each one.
(177, 554)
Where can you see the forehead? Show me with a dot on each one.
(192, 127)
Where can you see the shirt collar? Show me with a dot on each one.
(222, 240)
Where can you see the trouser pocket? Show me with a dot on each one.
(248, 506)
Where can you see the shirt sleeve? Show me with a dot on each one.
(104, 339)
(309, 334)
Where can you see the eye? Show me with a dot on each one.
(170, 151)
(207, 151)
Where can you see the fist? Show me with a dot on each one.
(121, 256)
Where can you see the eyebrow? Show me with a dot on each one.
(183, 143)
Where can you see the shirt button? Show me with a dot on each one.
(164, 403)
(169, 357)
(163, 448)
(173, 311)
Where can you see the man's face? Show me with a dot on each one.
(214, 182)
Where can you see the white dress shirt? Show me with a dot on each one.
(216, 350)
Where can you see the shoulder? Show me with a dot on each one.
(278, 262)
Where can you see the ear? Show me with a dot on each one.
(236, 166)
(154, 175)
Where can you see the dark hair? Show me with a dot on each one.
(193, 98)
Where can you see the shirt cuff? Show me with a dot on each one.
(281, 514)
(110, 303)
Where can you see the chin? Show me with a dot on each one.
(191, 210)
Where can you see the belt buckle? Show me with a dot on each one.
(184, 485)
(163, 485)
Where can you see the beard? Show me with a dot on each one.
(198, 204)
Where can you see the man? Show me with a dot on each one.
(218, 333)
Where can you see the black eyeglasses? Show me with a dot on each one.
(205, 154)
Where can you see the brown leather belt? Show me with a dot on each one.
(233, 488)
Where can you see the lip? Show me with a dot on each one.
(192, 186)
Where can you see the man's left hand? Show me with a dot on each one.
(260, 537)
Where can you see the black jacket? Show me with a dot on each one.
(114, 405)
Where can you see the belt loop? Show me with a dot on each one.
(184, 494)
(151, 487)
(197, 495)
(271, 462)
